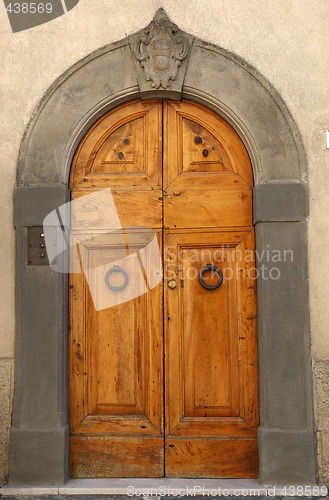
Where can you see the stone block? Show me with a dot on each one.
(6, 368)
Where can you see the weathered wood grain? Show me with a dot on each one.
(121, 386)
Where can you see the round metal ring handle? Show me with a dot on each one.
(116, 269)
(211, 268)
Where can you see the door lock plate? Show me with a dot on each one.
(36, 248)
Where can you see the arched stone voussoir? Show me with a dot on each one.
(68, 108)
(235, 90)
(209, 75)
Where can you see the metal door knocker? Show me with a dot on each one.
(211, 268)
(116, 269)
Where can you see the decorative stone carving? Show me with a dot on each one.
(160, 52)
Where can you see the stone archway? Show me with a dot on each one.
(227, 85)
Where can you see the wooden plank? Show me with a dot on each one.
(106, 456)
(77, 363)
(213, 426)
(247, 327)
(117, 425)
(125, 209)
(211, 458)
(183, 209)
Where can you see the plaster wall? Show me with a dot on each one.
(286, 43)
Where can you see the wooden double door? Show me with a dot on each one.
(162, 382)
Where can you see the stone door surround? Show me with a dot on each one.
(204, 73)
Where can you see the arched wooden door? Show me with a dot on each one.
(166, 383)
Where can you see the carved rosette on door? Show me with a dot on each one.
(164, 384)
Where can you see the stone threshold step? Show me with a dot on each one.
(118, 497)
(142, 489)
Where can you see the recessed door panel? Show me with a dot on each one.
(209, 333)
(122, 149)
(202, 150)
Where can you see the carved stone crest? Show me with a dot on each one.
(160, 50)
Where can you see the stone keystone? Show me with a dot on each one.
(160, 52)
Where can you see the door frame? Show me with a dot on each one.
(229, 86)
